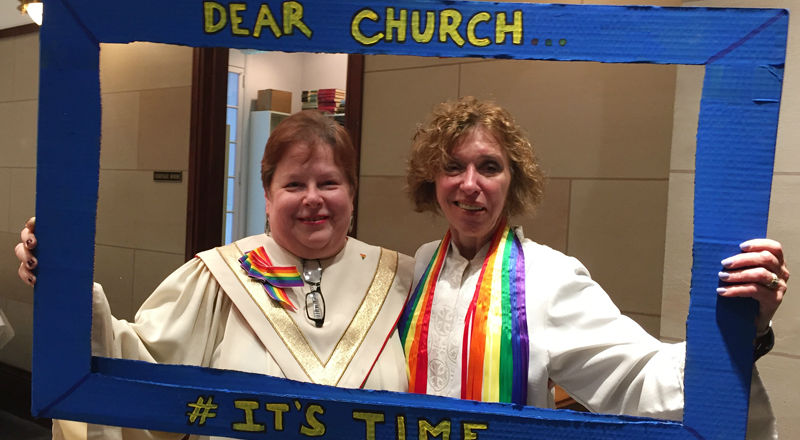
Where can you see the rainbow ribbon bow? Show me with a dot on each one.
(274, 278)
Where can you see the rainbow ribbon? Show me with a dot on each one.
(258, 266)
(495, 345)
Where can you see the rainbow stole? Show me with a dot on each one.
(495, 348)
(274, 278)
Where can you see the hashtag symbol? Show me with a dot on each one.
(202, 410)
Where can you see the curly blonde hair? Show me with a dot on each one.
(446, 126)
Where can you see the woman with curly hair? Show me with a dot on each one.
(495, 316)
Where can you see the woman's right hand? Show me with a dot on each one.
(24, 251)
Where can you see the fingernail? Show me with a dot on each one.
(724, 276)
(721, 290)
(727, 262)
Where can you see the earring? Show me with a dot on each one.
(266, 225)
(350, 228)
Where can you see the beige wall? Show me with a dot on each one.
(776, 368)
(146, 97)
(141, 224)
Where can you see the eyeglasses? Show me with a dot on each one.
(315, 302)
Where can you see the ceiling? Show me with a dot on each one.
(10, 16)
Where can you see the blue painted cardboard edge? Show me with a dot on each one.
(737, 127)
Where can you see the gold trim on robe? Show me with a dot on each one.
(331, 370)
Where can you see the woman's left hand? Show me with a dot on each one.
(759, 272)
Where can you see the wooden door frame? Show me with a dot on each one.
(206, 150)
(206, 181)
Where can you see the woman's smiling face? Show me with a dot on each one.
(472, 189)
(309, 202)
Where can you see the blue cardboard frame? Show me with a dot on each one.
(743, 51)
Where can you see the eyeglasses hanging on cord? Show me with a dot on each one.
(315, 302)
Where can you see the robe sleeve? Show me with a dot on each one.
(608, 363)
(602, 358)
(180, 323)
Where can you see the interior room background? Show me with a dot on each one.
(616, 142)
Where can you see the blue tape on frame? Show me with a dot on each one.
(743, 51)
